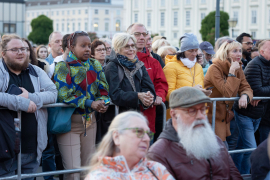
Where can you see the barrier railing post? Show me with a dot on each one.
(214, 115)
(116, 110)
(19, 172)
(164, 114)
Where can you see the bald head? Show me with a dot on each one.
(264, 49)
(133, 26)
(55, 43)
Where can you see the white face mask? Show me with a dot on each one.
(188, 62)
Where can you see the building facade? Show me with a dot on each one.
(105, 17)
(173, 18)
(12, 17)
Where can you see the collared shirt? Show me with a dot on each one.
(50, 59)
(28, 121)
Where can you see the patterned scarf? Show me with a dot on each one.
(72, 56)
(129, 64)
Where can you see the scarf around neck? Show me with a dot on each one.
(188, 63)
(72, 56)
(129, 64)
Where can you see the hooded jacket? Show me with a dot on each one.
(45, 93)
(178, 75)
(170, 153)
(157, 76)
(117, 168)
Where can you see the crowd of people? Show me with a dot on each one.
(137, 74)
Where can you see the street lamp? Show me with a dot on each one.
(232, 23)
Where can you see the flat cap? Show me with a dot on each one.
(187, 97)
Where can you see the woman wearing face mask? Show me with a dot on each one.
(182, 69)
(227, 78)
(81, 83)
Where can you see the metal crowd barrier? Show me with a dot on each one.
(20, 176)
(214, 100)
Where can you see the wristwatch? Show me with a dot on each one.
(231, 75)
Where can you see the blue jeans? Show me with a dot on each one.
(247, 127)
(268, 176)
(29, 165)
(264, 132)
(232, 139)
(48, 158)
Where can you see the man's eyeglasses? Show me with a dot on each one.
(108, 48)
(103, 49)
(194, 111)
(17, 50)
(249, 43)
(128, 47)
(138, 34)
(140, 132)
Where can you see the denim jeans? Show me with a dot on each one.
(264, 132)
(268, 176)
(29, 165)
(232, 139)
(48, 158)
(247, 127)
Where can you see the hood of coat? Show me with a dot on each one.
(170, 58)
(225, 65)
(169, 132)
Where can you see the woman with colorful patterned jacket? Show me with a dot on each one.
(121, 153)
(81, 83)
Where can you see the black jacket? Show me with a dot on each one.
(260, 165)
(257, 74)
(157, 57)
(245, 62)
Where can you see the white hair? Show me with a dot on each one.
(120, 40)
(159, 43)
(199, 142)
(106, 40)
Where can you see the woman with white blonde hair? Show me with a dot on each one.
(227, 79)
(159, 43)
(165, 50)
(129, 83)
(121, 153)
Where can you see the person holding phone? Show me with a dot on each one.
(227, 78)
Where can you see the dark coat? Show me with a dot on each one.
(245, 62)
(172, 155)
(122, 93)
(257, 75)
(157, 57)
(260, 165)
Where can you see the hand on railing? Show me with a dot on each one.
(99, 106)
(32, 107)
(255, 103)
(146, 98)
(243, 102)
(158, 101)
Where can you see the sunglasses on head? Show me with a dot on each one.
(229, 41)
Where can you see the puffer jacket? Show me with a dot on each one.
(117, 168)
(184, 167)
(257, 73)
(178, 75)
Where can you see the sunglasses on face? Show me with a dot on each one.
(140, 132)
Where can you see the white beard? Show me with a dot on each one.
(199, 142)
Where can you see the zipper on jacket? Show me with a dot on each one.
(211, 170)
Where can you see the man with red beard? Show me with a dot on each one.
(188, 147)
(36, 90)
(247, 45)
(153, 68)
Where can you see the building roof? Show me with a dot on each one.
(53, 2)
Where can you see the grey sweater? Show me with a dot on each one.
(45, 93)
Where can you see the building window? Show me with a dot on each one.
(28, 14)
(63, 12)
(162, 18)
(135, 17)
(269, 34)
(86, 11)
(86, 26)
(52, 13)
(175, 2)
(162, 3)
(106, 26)
(63, 27)
(162, 33)
(57, 13)
(106, 11)
(9, 28)
(253, 17)
(136, 4)
(68, 12)
(175, 18)
(37, 13)
(202, 16)
(68, 26)
(175, 35)
(33, 14)
(73, 26)
(149, 19)
(253, 34)
(187, 1)
(96, 11)
(79, 26)
(187, 18)
(118, 12)
(57, 27)
(73, 12)
(235, 34)
(235, 15)
(149, 3)
(95, 26)
(117, 25)
(203, 1)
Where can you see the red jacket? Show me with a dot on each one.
(158, 78)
